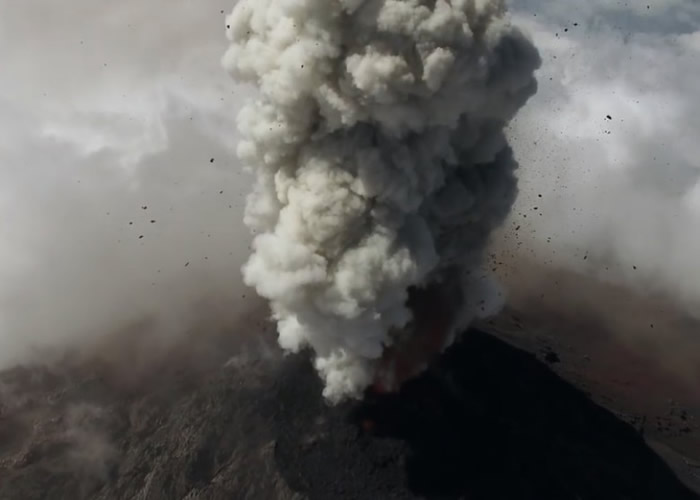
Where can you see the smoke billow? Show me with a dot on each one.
(381, 165)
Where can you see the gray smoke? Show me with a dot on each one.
(381, 164)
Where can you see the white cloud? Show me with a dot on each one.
(623, 188)
(105, 108)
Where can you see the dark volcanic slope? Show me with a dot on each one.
(487, 422)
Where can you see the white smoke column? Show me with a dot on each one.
(377, 143)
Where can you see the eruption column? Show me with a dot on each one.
(381, 164)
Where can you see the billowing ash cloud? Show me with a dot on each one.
(381, 165)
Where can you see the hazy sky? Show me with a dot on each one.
(109, 107)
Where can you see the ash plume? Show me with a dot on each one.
(381, 167)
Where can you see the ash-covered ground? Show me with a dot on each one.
(486, 421)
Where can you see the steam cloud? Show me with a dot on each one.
(381, 164)
(101, 116)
